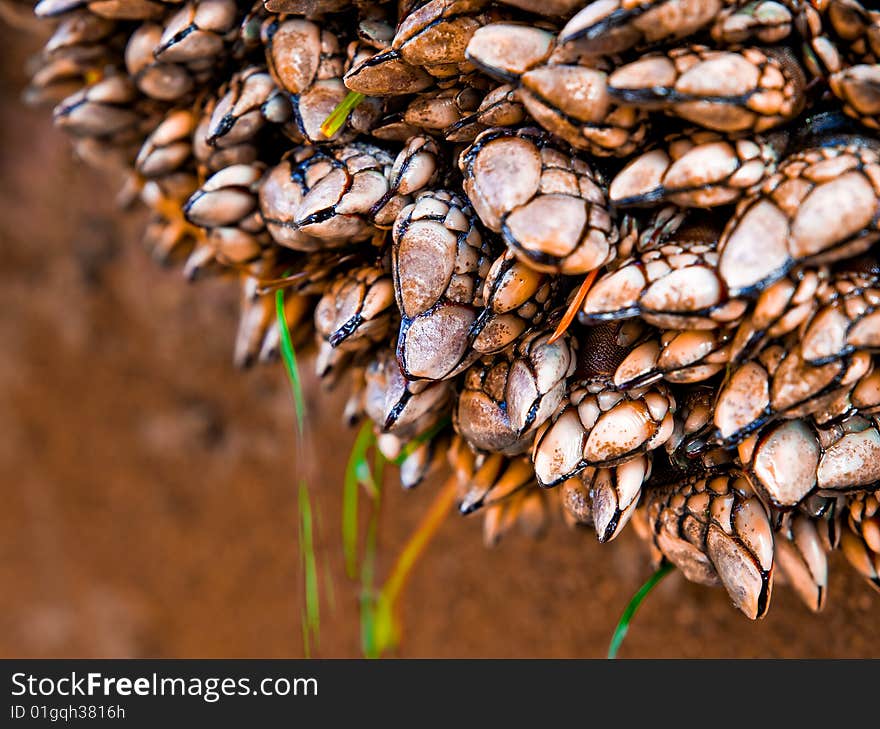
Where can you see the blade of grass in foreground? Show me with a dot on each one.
(311, 617)
(307, 551)
(289, 356)
(357, 463)
(335, 121)
(359, 473)
(329, 584)
(307, 643)
(625, 619)
(368, 570)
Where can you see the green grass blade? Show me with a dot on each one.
(307, 550)
(368, 625)
(385, 627)
(370, 643)
(311, 613)
(630, 611)
(359, 472)
(307, 644)
(338, 116)
(329, 583)
(329, 587)
(289, 356)
(357, 461)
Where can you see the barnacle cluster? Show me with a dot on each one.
(616, 258)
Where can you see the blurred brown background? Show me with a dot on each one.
(149, 489)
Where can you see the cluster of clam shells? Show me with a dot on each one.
(615, 260)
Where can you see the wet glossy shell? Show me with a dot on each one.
(308, 63)
(515, 297)
(693, 418)
(847, 320)
(100, 110)
(350, 188)
(505, 399)
(299, 53)
(435, 35)
(822, 205)
(614, 494)
(791, 460)
(487, 480)
(750, 90)
(801, 558)
(398, 405)
(568, 99)
(158, 80)
(308, 8)
(673, 286)
(597, 425)
(212, 159)
(699, 169)
(781, 308)
(762, 21)
(197, 31)
(354, 312)
(130, 10)
(257, 337)
(281, 193)
(506, 51)
(572, 102)
(858, 87)
(779, 383)
(548, 205)
(387, 74)
(169, 146)
(225, 198)
(611, 26)
(435, 112)
(838, 33)
(439, 264)
(861, 539)
(499, 108)
(502, 488)
(688, 356)
(714, 529)
(238, 115)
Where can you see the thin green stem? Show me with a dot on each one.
(337, 118)
(369, 613)
(310, 567)
(311, 613)
(630, 611)
(357, 462)
(288, 354)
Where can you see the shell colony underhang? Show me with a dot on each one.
(615, 260)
